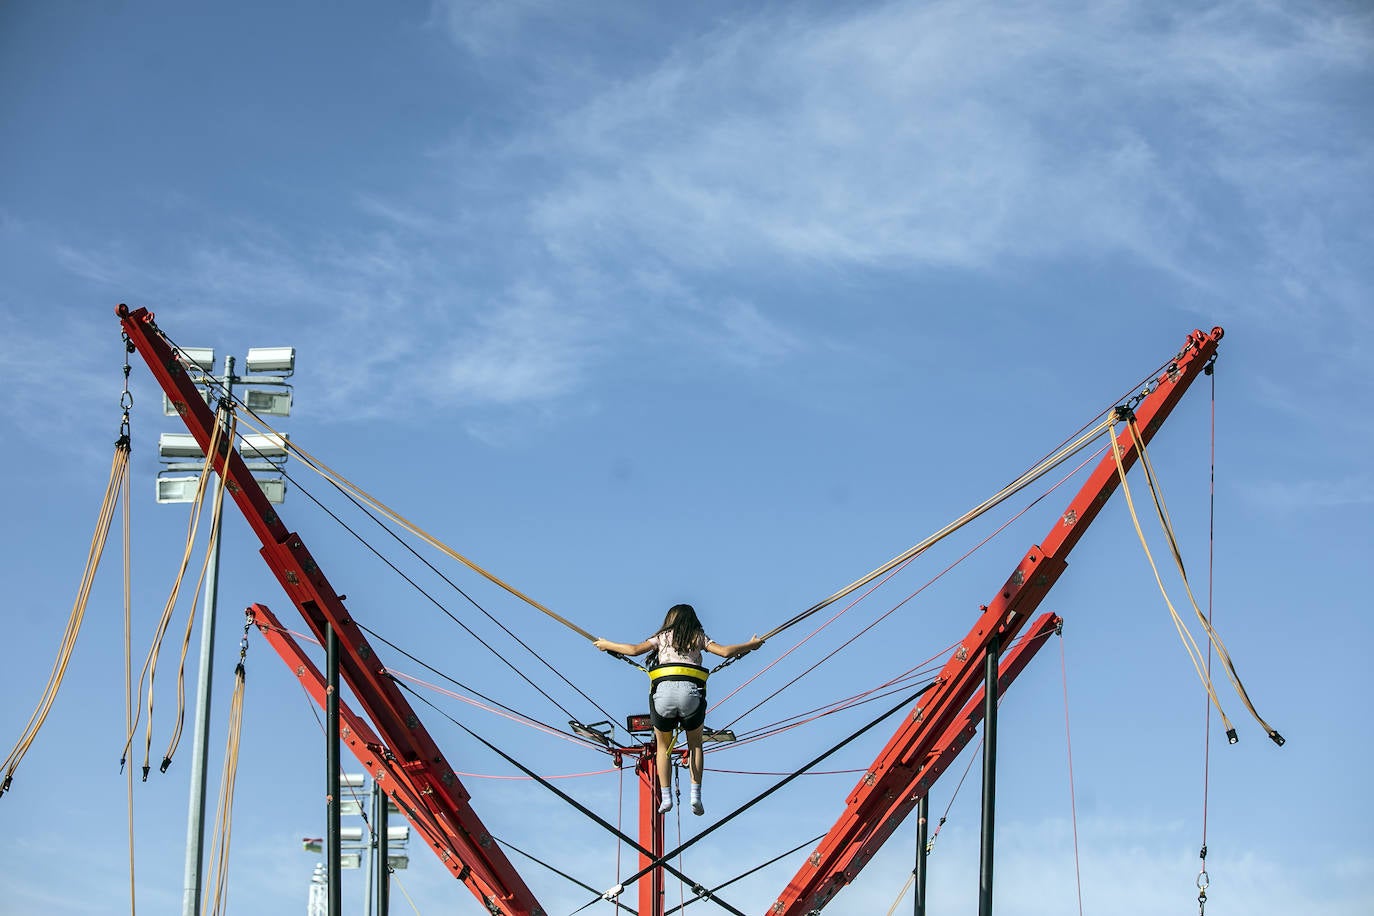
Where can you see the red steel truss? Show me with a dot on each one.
(396, 749)
(444, 816)
(943, 722)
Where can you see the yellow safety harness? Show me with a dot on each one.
(678, 672)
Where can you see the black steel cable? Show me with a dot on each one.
(457, 683)
(410, 548)
(577, 805)
(413, 584)
(562, 874)
(817, 838)
(662, 860)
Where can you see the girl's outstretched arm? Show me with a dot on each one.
(736, 649)
(624, 648)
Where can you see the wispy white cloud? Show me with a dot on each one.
(1201, 143)
(896, 137)
(524, 348)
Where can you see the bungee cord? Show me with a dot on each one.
(583, 809)
(216, 514)
(1190, 644)
(149, 671)
(217, 901)
(892, 567)
(438, 604)
(507, 713)
(888, 688)
(1064, 453)
(667, 856)
(1061, 454)
(119, 471)
(982, 543)
(345, 485)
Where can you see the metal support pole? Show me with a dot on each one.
(331, 756)
(922, 841)
(989, 775)
(200, 741)
(379, 818)
(370, 839)
(650, 833)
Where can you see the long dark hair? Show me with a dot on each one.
(683, 628)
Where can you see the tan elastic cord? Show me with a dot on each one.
(348, 486)
(1189, 644)
(1163, 515)
(119, 472)
(149, 672)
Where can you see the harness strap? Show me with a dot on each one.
(678, 673)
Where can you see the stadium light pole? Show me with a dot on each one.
(281, 360)
(384, 845)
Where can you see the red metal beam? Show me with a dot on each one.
(358, 735)
(932, 735)
(492, 877)
(650, 833)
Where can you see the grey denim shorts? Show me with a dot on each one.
(677, 703)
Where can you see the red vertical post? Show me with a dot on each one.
(650, 833)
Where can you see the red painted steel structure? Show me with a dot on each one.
(650, 832)
(401, 754)
(444, 807)
(943, 722)
(372, 753)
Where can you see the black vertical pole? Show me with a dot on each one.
(922, 841)
(331, 756)
(379, 815)
(989, 774)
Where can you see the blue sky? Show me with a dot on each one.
(638, 304)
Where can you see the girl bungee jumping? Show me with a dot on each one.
(677, 690)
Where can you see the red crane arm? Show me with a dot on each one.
(376, 759)
(492, 877)
(943, 722)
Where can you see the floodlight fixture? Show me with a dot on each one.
(271, 359)
(641, 724)
(264, 445)
(723, 736)
(350, 807)
(271, 403)
(177, 489)
(351, 834)
(593, 732)
(202, 358)
(398, 862)
(398, 834)
(352, 781)
(274, 488)
(179, 445)
(351, 860)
